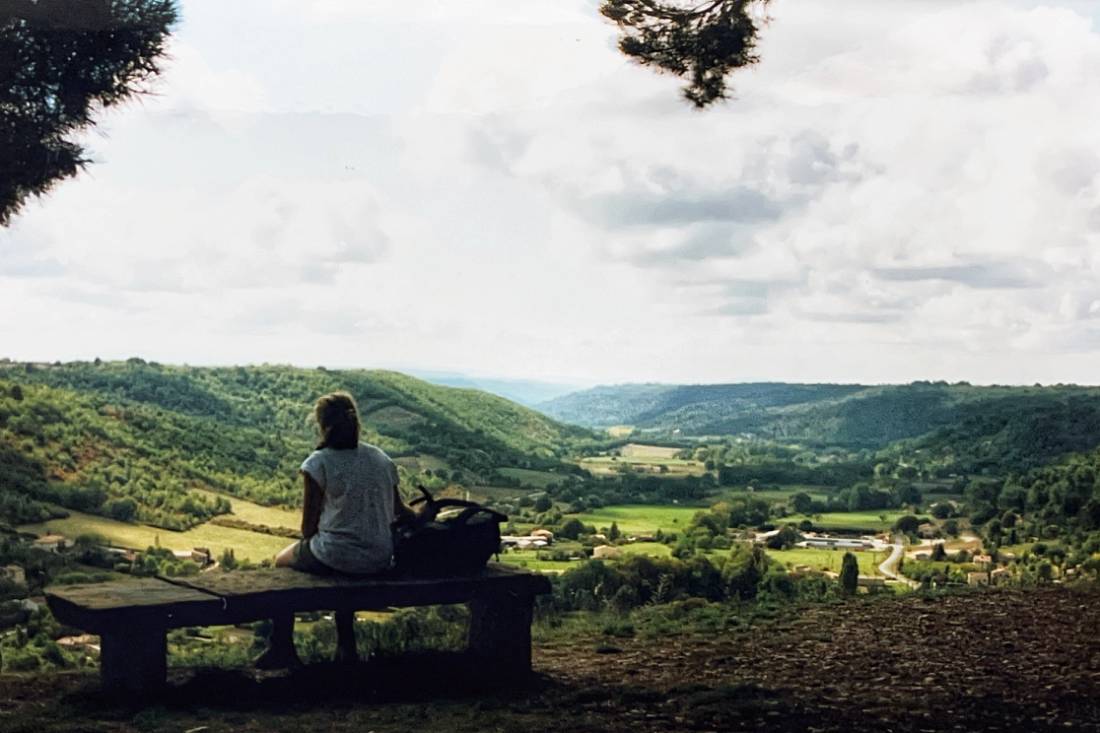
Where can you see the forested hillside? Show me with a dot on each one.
(1024, 426)
(690, 408)
(129, 440)
(1058, 500)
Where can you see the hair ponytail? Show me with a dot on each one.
(338, 419)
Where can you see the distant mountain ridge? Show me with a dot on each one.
(653, 405)
(851, 415)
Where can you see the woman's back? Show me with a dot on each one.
(354, 533)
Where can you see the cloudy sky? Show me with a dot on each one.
(901, 189)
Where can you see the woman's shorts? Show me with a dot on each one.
(306, 561)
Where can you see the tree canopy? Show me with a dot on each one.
(702, 41)
(849, 574)
(60, 61)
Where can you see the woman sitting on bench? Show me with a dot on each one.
(351, 499)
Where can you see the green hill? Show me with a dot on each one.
(1009, 430)
(690, 408)
(131, 439)
(1002, 421)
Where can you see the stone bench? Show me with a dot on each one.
(132, 616)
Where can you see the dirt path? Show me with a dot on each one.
(994, 660)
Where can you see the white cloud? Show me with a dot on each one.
(489, 186)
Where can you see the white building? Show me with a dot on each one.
(838, 543)
(14, 574)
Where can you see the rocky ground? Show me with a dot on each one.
(1001, 660)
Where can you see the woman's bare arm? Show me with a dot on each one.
(311, 506)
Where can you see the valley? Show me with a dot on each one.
(194, 470)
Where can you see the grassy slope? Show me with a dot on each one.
(538, 479)
(641, 519)
(144, 430)
(272, 516)
(246, 545)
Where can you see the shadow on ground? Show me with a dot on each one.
(1006, 660)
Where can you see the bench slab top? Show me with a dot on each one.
(130, 593)
(216, 597)
(268, 580)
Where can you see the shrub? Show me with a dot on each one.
(849, 574)
(22, 660)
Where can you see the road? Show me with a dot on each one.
(889, 566)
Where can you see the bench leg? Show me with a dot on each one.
(345, 637)
(500, 634)
(133, 659)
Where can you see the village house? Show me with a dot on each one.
(605, 552)
(14, 574)
(977, 578)
(120, 553)
(51, 543)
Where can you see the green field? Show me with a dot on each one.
(496, 493)
(781, 494)
(822, 559)
(648, 452)
(529, 560)
(649, 549)
(644, 459)
(868, 521)
(605, 465)
(423, 462)
(641, 518)
(394, 417)
(1023, 548)
(246, 545)
(254, 513)
(537, 479)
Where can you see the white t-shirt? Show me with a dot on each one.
(354, 533)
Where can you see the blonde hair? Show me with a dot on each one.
(338, 419)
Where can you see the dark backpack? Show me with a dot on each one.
(457, 543)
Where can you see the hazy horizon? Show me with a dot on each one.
(481, 380)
